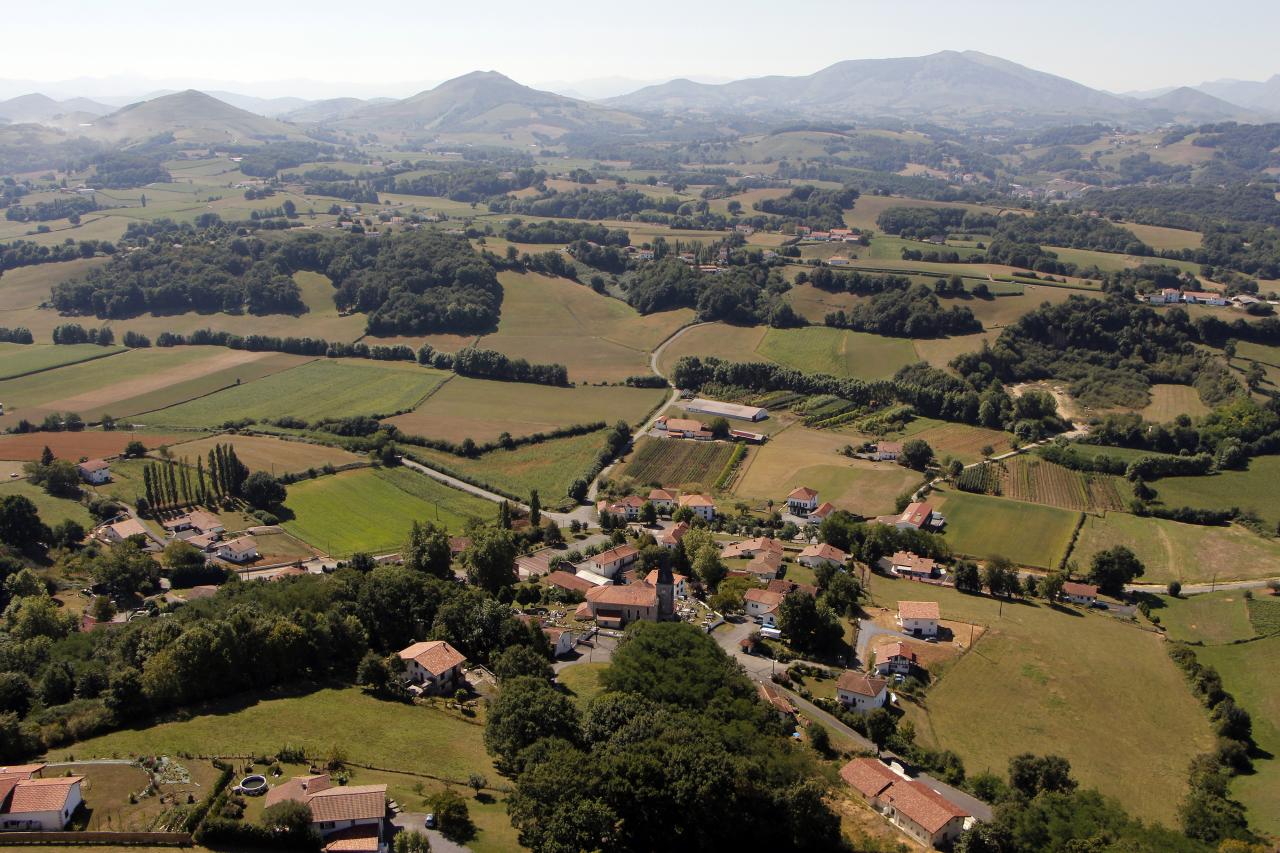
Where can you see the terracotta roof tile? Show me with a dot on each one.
(919, 610)
(922, 804)
(298, 788)
(42, 795)
(352, 802)
(863, 685)
(435, 656)
(634, 594)
(868, 776)
(570, 581)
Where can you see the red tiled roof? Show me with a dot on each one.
(652, 578)
(775, 697)
(42, 795)
(825, 552)
(696, 500)
(352, 802)
(298, 788)
(362, 838)
(889, 447)
(673, 535)
(92, 465)
(1085, 589)
(458, 544)
(570, 581)
(621, 552)
(863, 685)
(919, 610)
(923, 805)
(802, 493)
(916, 514)
(824, 509)
(22, 771)
(765, 597)
(684, 425)
(765, 563)
(748, 547)
(894, 650)
(913, 562)
(634, 594)
(868, 776)
(661, 495)
(435, 656)
(787, 587)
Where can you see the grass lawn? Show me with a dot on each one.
(264, 453)
(799, 456)
(1113, 262)
(108, 789)
(1169, 401)
(22, 359)
(1254, 488)
(482, 409)
(1190, 553)
(1212, 617)
(839, 352)
(135, 381)
(52, 510)
(319, 389)
(1044, 680)
(982, 526)
(962, 441)
(372, 509)
(27, 287)
(732, 343)
(583, 681)
(1159, 237)
(1248, 673)
(550, 467)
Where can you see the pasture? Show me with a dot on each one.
(1169, 401)
(599, 338)
(1029, 534)
(1190, 553)
(677, 463)
(1213, 618)
(331, 388)
(23, 359)
(135, 381)
(798, 456)
(52, 510)
(93, 444)
(1113, 262)
(265, 453)
(1159, 237)
(1046, 680)
(550, 466)
(27, 287)
(963, 441)
(839, 352)
(482, 409)
(372, 509)
(1251, 489)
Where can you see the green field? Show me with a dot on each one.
(550, 467)
(1190, 553)
(982, 526)
(1211, 617)
(418, 740)
(372, 509)
(1169, 401)
(482, 409)
(677, 462)
(839, 352)
(582, 680)
(1044, 680)
(52, 510)
(21, 359)
(1248, 673)
(27, 287)
(1252, 489)
(1110, 262)
(963, 441)
(320, 389)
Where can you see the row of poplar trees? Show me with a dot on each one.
(171, 484)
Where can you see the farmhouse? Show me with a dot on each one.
(749, 437)
(765, 566)
(458, 544)
(701, 506)
(94, 471)
(822, 555)
(1199, 297)
(608, 563)
(434, 664)
(663, 500)
(751, 547)
(619, 606)
(787, 587)
(628, 507)
(908, 565)
(701, 406)
(802, 500)
(762, 606)
(917, 516)
(820, 514)
(887, 451)
(1085, 594)
(349, 818)
(569, 582)
(918, 618)
(29, 803)
(672, 536)
(197, 520)
(895, 658)
(240, 550)
(536, 564)
(776, 699)
(561, 640)
(929, 816)
(683, 428)
(859, 692)
(114, 534)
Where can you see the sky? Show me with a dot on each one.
(325, 48)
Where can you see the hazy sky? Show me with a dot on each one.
(1116, 44)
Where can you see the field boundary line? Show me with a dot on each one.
(215, 391)
(39, 370)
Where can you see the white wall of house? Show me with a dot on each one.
(858, 702)
(920, 627)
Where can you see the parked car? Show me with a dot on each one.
(431, 820)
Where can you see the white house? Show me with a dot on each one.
(762, 606)
(628, 507)
(908, 565)
(752, 547)
(895, 658)
(434, 664)
(349, 818)
(672, 536)
(561, 640)
(38, 804)
(680, 587)
(859, 692)
(887, 451)
(917, 516)
(609, 563)
(1085, 594)
(802, 500)
(929, 816)
(701, 505)
(118, 532)
(240, 550)
(619, 606)
(820, 514)
(94, 471)
(919, 618)
(663, 500)
(822, 554)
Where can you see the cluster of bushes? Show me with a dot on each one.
(23, 253)
(1231, 433)
(18, 335)
(59, 208)
(807, 205)
(122, 170)
(518, 231)
(616, 441)
(909, 312)
(74, 333)
(646, 381)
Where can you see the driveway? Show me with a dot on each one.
(417, 821)
(867, 628)
(599, 649)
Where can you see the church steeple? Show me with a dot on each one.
(666, 587)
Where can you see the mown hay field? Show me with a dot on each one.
(93, 444)
(673, 462)
(265, 453)
(1046, 680)
(331, 388)
(482, 409)
(1169, 401)
(27, 287)
(982, 526)
(24, 359)
(1253, 489)
(372, 509)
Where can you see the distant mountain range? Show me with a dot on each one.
(960, 88)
